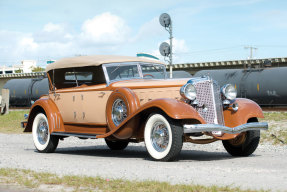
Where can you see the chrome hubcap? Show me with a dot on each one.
(119, 111)
(159, 136)
(42, 131)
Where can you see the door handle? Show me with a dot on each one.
(56, 96)
(102, 94)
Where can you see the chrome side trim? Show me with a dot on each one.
(74, 135)
(215, 127)
(56, 123)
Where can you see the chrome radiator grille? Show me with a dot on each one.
(209, 101)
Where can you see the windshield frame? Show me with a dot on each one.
(127, 64)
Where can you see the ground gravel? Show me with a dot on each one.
(198, 164)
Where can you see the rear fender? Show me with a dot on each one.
(47, 106)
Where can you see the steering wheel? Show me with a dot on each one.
(148, 75)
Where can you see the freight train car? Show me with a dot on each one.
(24, 91)
(266, 86)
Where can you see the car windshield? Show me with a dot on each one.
(153, 71)
(123, 71)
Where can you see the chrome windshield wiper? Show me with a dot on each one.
(118, 66)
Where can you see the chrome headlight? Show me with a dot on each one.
(229, 91)
(188, 91)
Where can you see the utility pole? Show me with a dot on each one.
(251, 51)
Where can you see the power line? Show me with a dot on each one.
(274, 46)
(209, 50)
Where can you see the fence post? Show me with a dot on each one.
(4, 103)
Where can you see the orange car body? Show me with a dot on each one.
(85, 110)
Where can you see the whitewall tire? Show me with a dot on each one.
(163, 138)
(43, 141)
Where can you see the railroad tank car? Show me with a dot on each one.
(265, 86)
(179, 74)
(24, 91)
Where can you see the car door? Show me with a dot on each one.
(93, 105)
(84, 101)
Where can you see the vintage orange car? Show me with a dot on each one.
(130, 99)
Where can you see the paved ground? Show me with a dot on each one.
(14, 188)
(198, 164)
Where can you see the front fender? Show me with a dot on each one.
(173, 108)
(247, 109)
(54, 117)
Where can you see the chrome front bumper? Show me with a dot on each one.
(215, 127)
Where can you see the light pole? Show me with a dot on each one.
(165, 48)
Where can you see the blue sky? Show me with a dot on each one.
(206, 30)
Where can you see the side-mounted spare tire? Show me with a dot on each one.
(121, 103)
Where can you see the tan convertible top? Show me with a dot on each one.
(95, 60)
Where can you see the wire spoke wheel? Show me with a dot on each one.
(160, 136)
(42, 131)
(163, 137)
(43, 141)
(119, 111)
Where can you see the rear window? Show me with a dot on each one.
(80, 76)
(74, 77)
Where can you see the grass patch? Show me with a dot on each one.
(277, 132)
(37, 180)
(11, 123)
(275, 116)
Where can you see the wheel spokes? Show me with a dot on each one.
(159, 136)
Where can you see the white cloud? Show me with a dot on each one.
(53, 33)
(28, 43)
(179, 46)
(105, 29)
(103, 34)
(151, 28)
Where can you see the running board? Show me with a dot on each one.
(65, 134)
